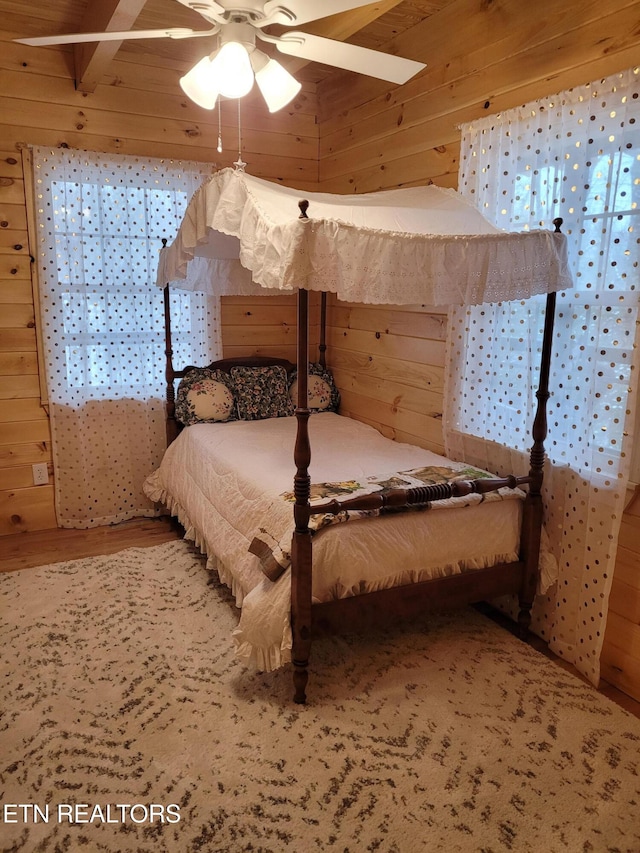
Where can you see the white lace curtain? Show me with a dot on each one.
(577, 156)
(100, 221)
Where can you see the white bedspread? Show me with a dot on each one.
(224, 481)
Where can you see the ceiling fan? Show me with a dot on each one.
(231, 69)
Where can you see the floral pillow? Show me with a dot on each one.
(261, 392)
(205, 396)
(322, 394)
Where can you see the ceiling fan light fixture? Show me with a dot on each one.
(232, 70)
(200, 84)
(229, 72)
(277, 86)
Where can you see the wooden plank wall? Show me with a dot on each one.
(266, 325)
(389, 366)
(139, 110)
(621, 650)
(482, 56)
(24, 428)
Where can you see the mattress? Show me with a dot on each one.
(228, 484)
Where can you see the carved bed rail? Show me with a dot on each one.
(417, 495)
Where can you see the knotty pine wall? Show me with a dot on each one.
(621, 650)
(138, 110)
(267, 326)
(482, 56)
(389, 365)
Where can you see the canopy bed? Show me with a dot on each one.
(294, 569)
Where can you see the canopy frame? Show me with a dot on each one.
(518, 578)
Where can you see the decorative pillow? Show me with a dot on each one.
(322, 394)
(261, 392)
(205, 396)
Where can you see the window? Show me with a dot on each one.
(597, 193)
(107, 237)
(575, 155)
(100, 220)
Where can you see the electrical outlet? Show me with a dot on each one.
(40, 474)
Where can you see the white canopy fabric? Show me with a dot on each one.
(242, 235)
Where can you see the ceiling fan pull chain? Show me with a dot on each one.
(219, 125)
(239, 163)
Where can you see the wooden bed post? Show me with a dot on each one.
(322, 347)
(301, 544)
(532, 520)
(171, 424)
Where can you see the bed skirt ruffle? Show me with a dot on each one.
(250, 646)
(156, 493)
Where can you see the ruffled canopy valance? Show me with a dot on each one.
(427, 245)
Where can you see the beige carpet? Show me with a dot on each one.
(124, 707)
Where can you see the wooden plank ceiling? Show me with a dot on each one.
(373, 26)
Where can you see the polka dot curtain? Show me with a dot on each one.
(575, 155)
(100, 221)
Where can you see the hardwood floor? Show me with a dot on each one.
(27, 550)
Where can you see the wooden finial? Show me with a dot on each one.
(304, 206)
(558, 224)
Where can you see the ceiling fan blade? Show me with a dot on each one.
(77, 38)
(363, 60)
(209, 9)
(300, 11)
